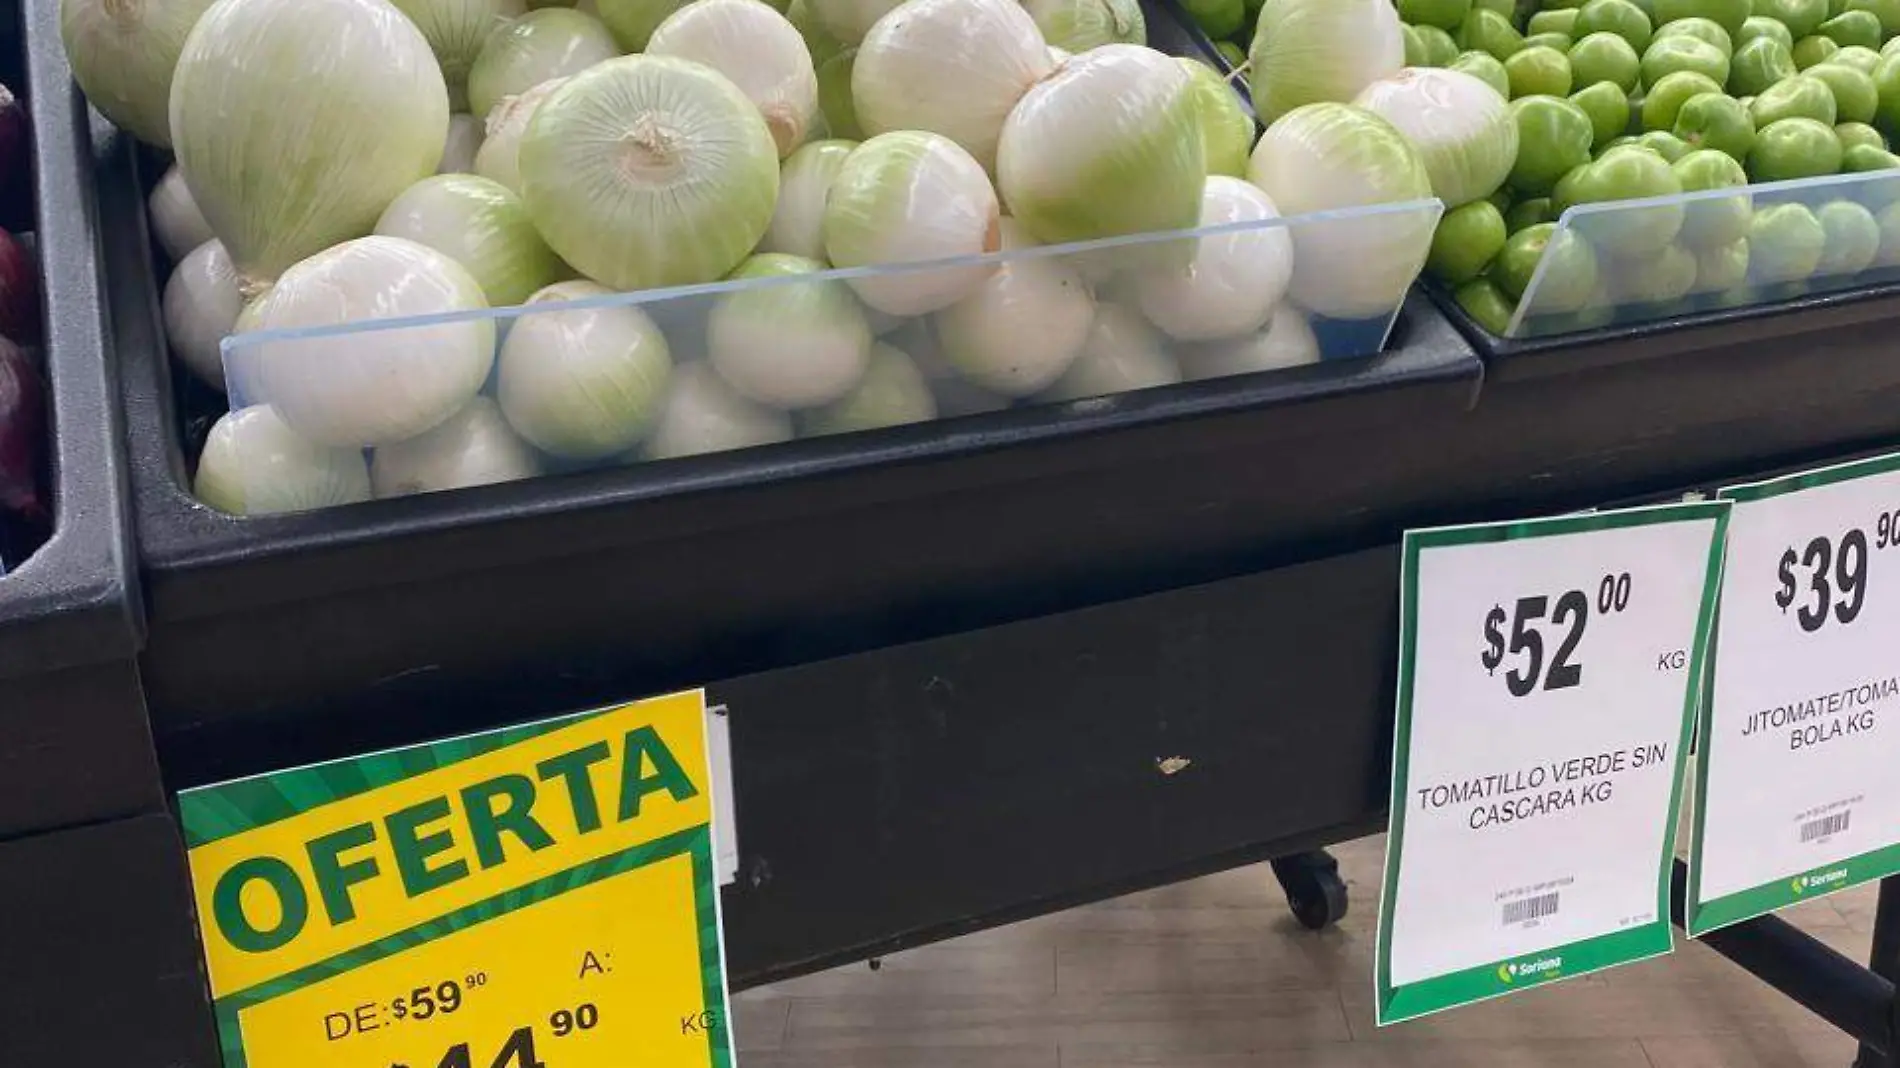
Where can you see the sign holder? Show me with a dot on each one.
(1469, 917)
(1840, 525)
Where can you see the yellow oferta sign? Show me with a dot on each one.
(537, 897)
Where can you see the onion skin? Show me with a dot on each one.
(893, 392)
(476, 447)
(793, 345)
(1108, 145)
(253, 464)
(1022, 328)
(701, 414)
(499, 157)
(912, 197)
(123, 54)
(201, 307)
(1123, 353)
(758, 50)
(582, 383)
(952, 67)
(538, 47)
(372, 387)
(20, 317)
(798, 223)
(175, 218)
(22, 434)
(281, 172)
(649, 171)
(482, 226)
(456, 31)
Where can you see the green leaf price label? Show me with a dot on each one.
(1796, 790)
(1547, 685)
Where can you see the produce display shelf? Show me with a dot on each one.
(74, 741)
(554, 593)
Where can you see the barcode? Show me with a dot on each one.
(1825, 827)
(1530, 908)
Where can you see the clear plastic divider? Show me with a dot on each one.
(343, 412)
(1629, 262)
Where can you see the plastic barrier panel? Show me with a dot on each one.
(1637, 261)
(584, 378)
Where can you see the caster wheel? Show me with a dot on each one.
(1314, 891)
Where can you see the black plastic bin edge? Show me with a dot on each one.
(1510, 359)
(74, 602)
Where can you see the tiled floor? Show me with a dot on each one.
(1215, 974)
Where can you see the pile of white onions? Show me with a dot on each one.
(411, 237)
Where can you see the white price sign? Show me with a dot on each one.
(1796, 789)
(1547, 684)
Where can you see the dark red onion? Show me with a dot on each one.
(22, 433)
(19, 292)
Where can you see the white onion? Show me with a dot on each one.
(456, 31)
(537, 47)
(476, 447)
(954, 394)
(202, 305)
(649, 171)
(1287, 341)
(374, 387)
(480, 225)
(757, 49)
(1023, 326)
(633, 21)
(123, 55)
(499, 158)
(1079, 25)
(253, 464)
(798, 223)
(465, 141)
(701, 414)
(1462, 128)
(912, 197)
(953, 67)
(891, 393)
(283, 170)
(788, 344)
(847, 21)
(1107, 145)
(176, 220)
(582, 383)
(1310, 51)
(1325, 157)
(1226, 128)
(1236, 278)
(1122, 353)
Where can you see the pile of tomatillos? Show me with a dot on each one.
(344, 161)
(1622, 99)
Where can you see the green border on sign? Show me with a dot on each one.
(209, 814)
(695, 842)
(1395, 1004)
(1700, 917)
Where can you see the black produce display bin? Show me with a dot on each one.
(911, 794)
(1621, 412)
(101, 958)
(283, 639)
(74, 741)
